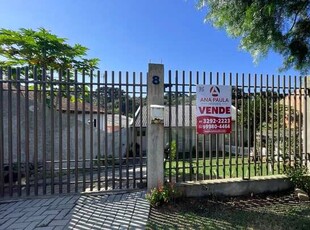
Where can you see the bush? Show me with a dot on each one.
(163, 194)
(298, 176)
(170, 150)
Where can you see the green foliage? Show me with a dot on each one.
(282, 26)
(163, 194)
(27, 47)
(298, 176)
(173, 149)
(37, 50)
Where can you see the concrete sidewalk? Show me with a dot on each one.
(107, 211)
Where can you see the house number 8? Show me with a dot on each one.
(155, 80)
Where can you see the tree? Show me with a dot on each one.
(117, 100)
(41, 48)
(279, 25)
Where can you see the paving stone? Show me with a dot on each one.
(41, 210)
(25, 203)
(35, 218)
(46, 221)
(33, 203)
(58, 222)
(51, 212)
(49, 201)
(45, 228)
(40, 203)
(61, 206)
(3, 206)
(57, 201)
(15, 214)
(65, 200)
(115, 211)
(8, 223)
(59, 228)
(62, 214)
(3, 220)
(73, 199)
(31, 209)
(18, 226)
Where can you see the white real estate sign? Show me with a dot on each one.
(213, 109)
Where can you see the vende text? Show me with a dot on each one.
(214, 110)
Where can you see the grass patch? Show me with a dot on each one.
(220, 168)
(253, 213)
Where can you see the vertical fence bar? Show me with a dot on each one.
(190, 125)
(113, 129)
(267, 124)
(204, 141)
(18, 128)
(183, 124)
(217, 141)
(295, 121)
(169, 126)
(306, 97)
(278, 124)
(177, 125)
(230, 135)
(236, 124)
(99, 125)
(52, 140)
(299, 109)
(299, 115)
(10, 141)
(289, 121)
(224, 138)
(106, 132)
(210, 139)
(248, 124)
(68, 132)
(261, 125)
(83, 131)
(134, 129)
(242, 131)
(141, 131)
(1, 137)
(76, 133)
(35, 132)
(60, 94)
(284, 119)
(272, 124)
(254, 126)
(127, 130)
(197, 138)
(91, 135)
(44, 152)
(120, 103)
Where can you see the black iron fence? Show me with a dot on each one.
(268, 127)
(69, 131)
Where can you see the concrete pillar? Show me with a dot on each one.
(306, 120)
(155, 131)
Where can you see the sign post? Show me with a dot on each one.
(213, 109)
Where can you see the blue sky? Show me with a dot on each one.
(127, 34)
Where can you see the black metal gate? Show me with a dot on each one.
(70, 131)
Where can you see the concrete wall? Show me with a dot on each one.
(235, 187)
(64, 146)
